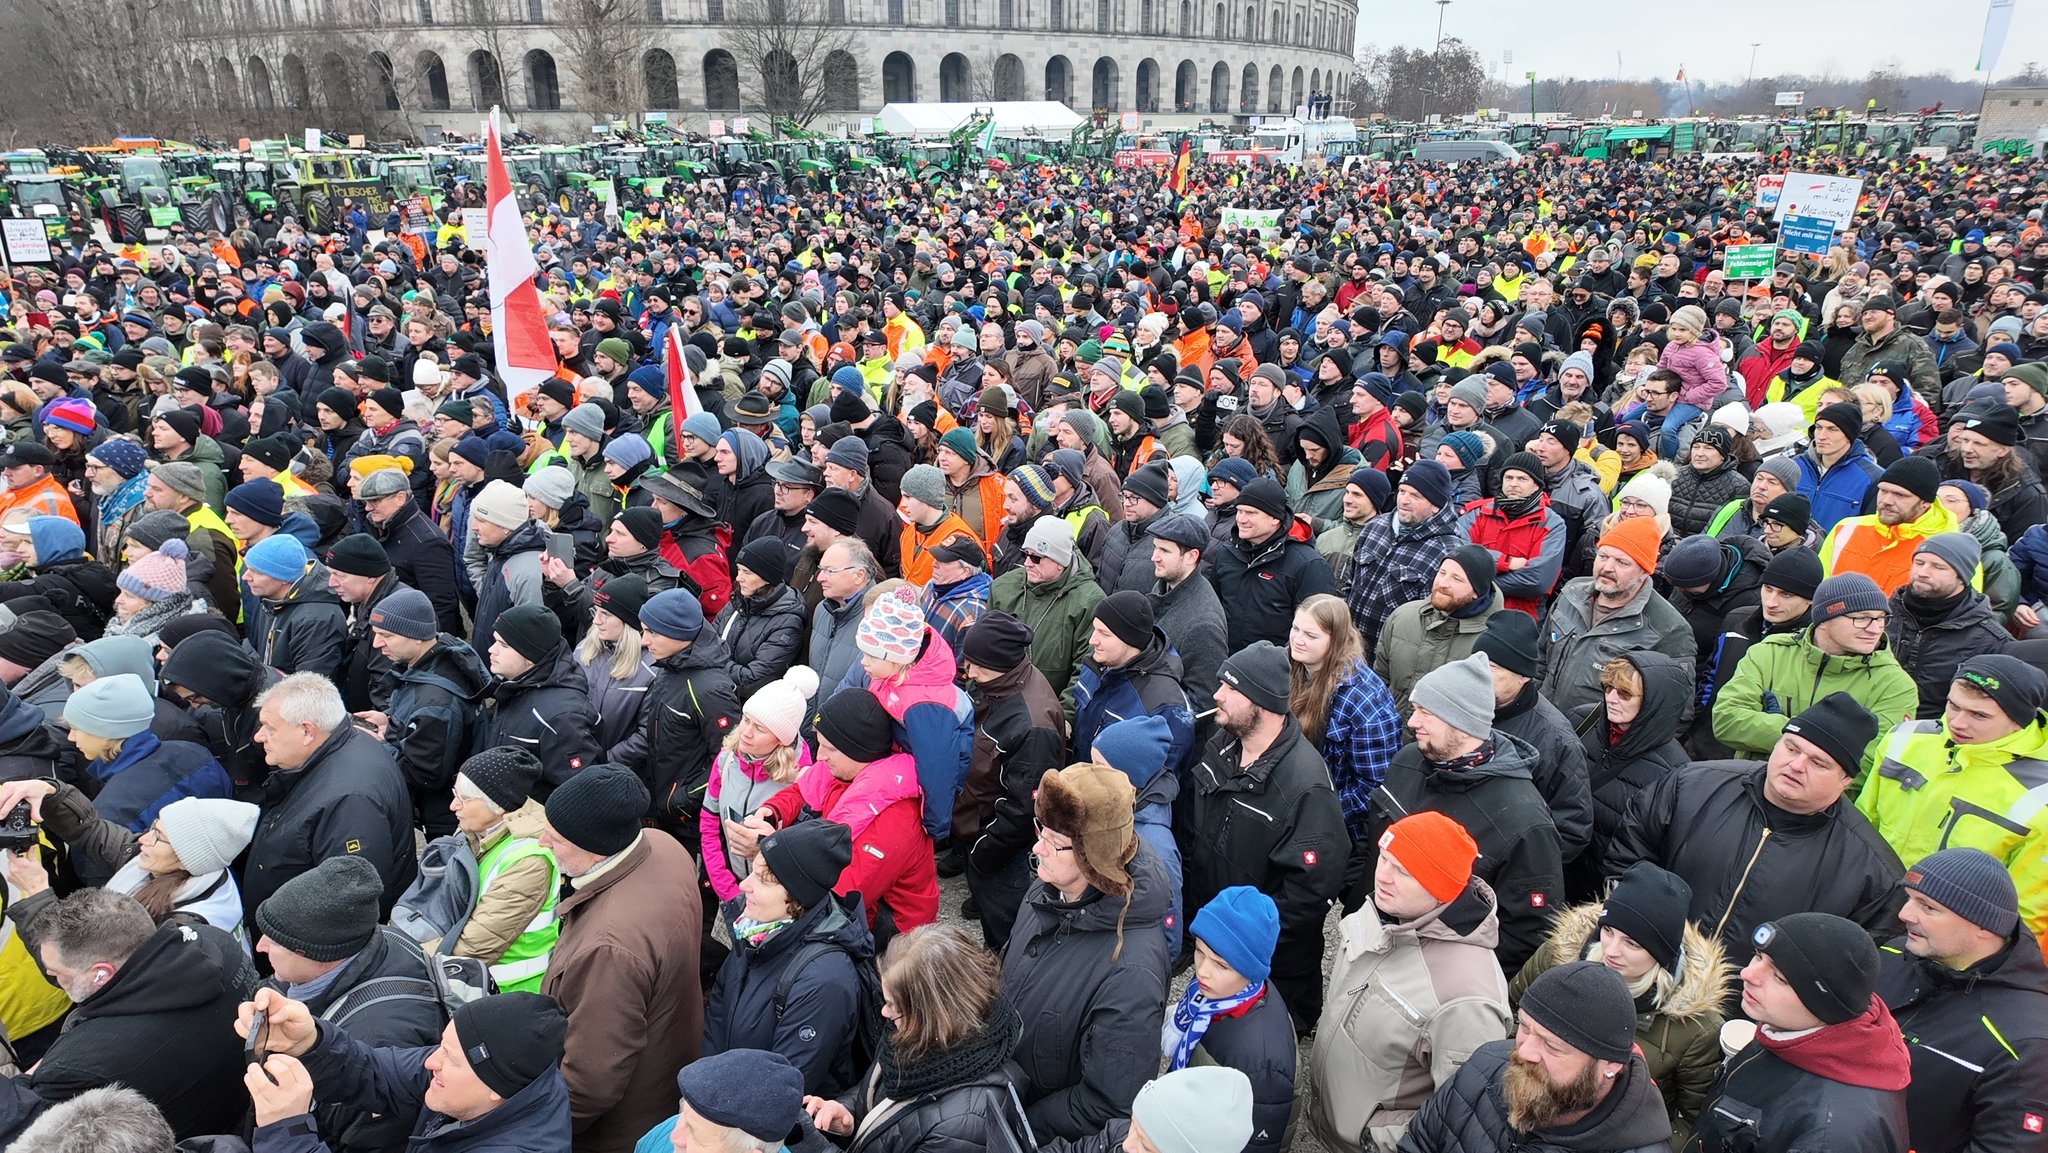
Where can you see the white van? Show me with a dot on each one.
(1459, 151)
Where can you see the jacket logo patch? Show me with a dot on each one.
(575, 762)
(1265, 576)
(722, 722)
(1536, 900)
(354, 846)
(2031, 1123)
(1308, 856)
(873, 852)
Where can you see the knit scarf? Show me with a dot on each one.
(754, 932)
(1515, 508)
(1191, 1018)
(972, 1059)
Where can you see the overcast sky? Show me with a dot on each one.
(1580, 38)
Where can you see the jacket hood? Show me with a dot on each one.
(176, 969)
(1320, 429)
(333, 346)
(1364, 931)
(1632, 1117)
(529, 537)
(310, 589)
(1982, 525)
(1512, 757)
(214, 666)
(1704, 973)
(18, 718)
(1867, 1051)
(304, 527)
(453, 660)
(1666, 684)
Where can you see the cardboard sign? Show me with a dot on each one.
(476, 225)
(1831, 198)
(1768, 188)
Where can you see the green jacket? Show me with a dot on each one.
(1060, 615)
(1796, 674)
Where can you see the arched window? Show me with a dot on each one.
(658, 73)
(1187, 17)
(1102, 15)
(1058, 22)
(1251, 22)
(842, 82)
(1145, 17)
(543, 89)
(721, 81)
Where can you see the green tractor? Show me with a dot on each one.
(312, 185)
(46, 196)
(203, 202)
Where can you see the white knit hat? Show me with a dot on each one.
(501, 505)
(208, 834)
(1651, 489)
(780, 705)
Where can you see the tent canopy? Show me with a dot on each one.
(1639, 132)
(1013, 117)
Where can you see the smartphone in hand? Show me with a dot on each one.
(258, 1046)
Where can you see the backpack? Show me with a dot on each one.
(450, 983)
(868, 1025)
(465, 722)
(439, 901)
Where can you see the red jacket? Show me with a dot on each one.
(1759, 367)
(703, 559)
(1521, 537)
(1377, 439)
(892, 857)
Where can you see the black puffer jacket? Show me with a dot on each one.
(215, 666)
(303, 631)
(545, 711)
(1088, 979)
(816, 1028)
(690, 709)
(82, 592)
(1737, 587)
(1468, 1114)
(763, 636)
(164, 1026)
(1127, 556)
(1621, 770)
(1695, 498)
(426, 713)
(1943, 1013)
(1559, 769)
(1749, 861)
(347, 799)
(961, 1100)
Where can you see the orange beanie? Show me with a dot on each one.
(1436, 851)
(1639, 538)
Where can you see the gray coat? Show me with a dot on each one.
(1191, 616)
(832, 651)
(1575, 649)
(618, 703)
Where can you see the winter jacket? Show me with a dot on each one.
(1899, 344)
(348, 798)
(763, 636)
(422, 558)
(1060, 614)
(163, 1025)
(1258, 1040)
(1842, 489)
(147, 774)
(1699, 368)
(892, 869)
(1884, 553)
(81, 591)
(1020, 731)
(2001, 579)
(1395, 564)
(1678, 1018)
(1190, 614)
(1419, 637)
(1785, 673)
(366, 673)
(625, 970)
(1696, 497)
(1749, 862)
(934, 724)
(1275, 825)
(952, 609)
(227, 674)
(968, 1103)
(303, 631)
(1536, 538)
(1127, 556)
(1621, 768)
(1409, 1002)
(1933, 650)
(1262, 583)
(510, 576)
(2030, 557)
(618, 705)
(1497, 802)
(1736, 587)
(690, 709)
(546, 711)
(1976, 1037)
(819, 1018)
(1150, 685)
(1558, 768)
(69, 819)
(1765, 1099)
(1088, 979)
(533, 1120)
(1469, 1115)
(426, 718)
(1575, 649)
(1930, 793)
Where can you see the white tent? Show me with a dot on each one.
(1013, 117)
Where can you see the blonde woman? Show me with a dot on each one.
(615, 670)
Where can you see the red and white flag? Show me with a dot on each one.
(682, 390)
(519, 331)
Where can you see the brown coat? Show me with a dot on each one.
(625, 969)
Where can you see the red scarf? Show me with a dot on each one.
(1866, 1051)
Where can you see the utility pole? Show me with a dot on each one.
(1753, 46)
(1436, 53)
(1532, 96)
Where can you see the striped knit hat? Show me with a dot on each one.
(73, 414)
(1036, 484)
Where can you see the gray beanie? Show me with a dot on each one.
(1460, 694)
(551, 486)
(1849, 592)
(112, 708)
(327, 914)
(1471, 390)
(1084, 423)
(208, 833)
(1784, 468)
(587, 419)
(1958, 550)
(1199, 1109)
(926, 483)
(182, 477)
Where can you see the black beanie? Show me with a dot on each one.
(1265, 495)
(1839, 727)
(997, 642)
(390, 400)
(1829, 961)
(1148, 482)
(1795, 570)
(1650, 907)
(505, 775)
(1566, 433)
(1510, 642)
(328, 913)
(1479, 567)
(766, 557)
(1918, 475)
(2019, 688)
(275, 452)
(341, 402)
(1128, 614)
(36, 637)
(531, 630)
(1845, 416)
(857, 725)
(836, 509)
(598, 809)
(359, 554)
(622, 596)
(511, 1039)
(1588, 1006)
(808, 857)
(1528, 465)
(642, 524)
(182, 421)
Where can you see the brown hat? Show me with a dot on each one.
(1092, 805)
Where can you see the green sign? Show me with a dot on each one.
(1749, 261)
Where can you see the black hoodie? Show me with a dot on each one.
(333, 350)
(1620, 769)
(213, 665)
(1977, 1037)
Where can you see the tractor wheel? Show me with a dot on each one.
(193, 215)
(131, 224)
(217, 215)
(317, 211)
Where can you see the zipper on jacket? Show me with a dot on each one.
(1744, 880)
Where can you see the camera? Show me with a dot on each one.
(18, 829)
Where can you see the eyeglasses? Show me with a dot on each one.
(1035, 557)
(1622, 691)
(839, 569)
(1042, 830)
(1648, 392)
(1868, 620)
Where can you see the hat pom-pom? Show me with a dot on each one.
(802, 678)
(175, 549)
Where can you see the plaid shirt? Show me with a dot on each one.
(1391, 566)
(1359, 740)
(952, 609)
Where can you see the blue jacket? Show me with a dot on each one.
(1843, 491)
(149, 773)
(533, 1120)
(1148, 686)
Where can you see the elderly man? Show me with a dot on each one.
(334, 790)
(493, 1080)
(1055, 591)
(1615, 609)
(625, 965)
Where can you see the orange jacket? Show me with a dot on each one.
(915, 547)
(45, 497)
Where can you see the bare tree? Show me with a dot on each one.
(783, 47)
(593, 31)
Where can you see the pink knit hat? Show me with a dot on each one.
(73, 414)
(156, 576)
(893, 630)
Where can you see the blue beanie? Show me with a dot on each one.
(260, 500)
(673, 613)
(279, 556)
(472, 449)
(849, 377)
(1234, 470)
(504, 440)
(650, 379)
(628, 452)
(1973, 492)
(703, 426)
(1136, 747)
(1240, 925)
(55, 539)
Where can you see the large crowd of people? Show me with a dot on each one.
(1644, 667)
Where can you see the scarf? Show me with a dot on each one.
(1517, 508)
(1478, 756)
(906, 1079)
(754, 932)
(1192, 1016)
(1866, 1051)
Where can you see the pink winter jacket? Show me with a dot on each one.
(1699, 366)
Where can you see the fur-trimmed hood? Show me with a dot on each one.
(1704, 976)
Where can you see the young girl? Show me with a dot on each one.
(761, 757)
